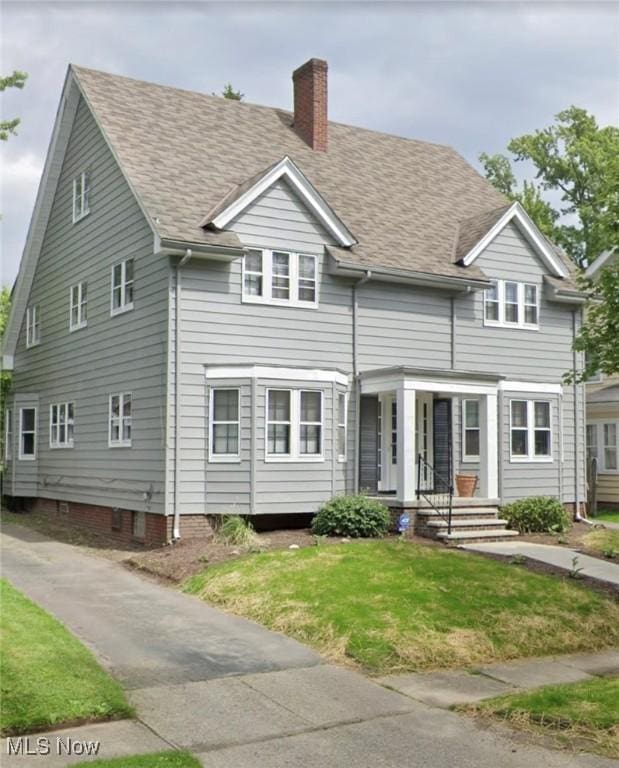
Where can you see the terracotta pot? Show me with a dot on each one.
(466, 485)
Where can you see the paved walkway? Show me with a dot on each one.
(560, 557)
(234, 693)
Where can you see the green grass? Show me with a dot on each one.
(607, 516)
(157, 760)
(395, 606)
(603, 541)
(48, 677)
(584, 713)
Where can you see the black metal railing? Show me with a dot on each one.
(435, 489)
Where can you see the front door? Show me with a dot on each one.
(424, 436)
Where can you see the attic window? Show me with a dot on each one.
(280, 277)
(512, 305)
(81, 190)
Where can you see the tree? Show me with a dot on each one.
(578, 159)
(16, 80)
(5, 376)
(598, 337)
(229, 93)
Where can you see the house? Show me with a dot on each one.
(602, 411)
(228, 308)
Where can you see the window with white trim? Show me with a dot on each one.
(603, 444)
(27, 433)
(225, 424)
(120, 420)
(530, 430)
(78, 313)
(280, 277)
(610, 447)
(471, 431)
(592, 442)
(512, 305)
(294, 424)
(342, 425)
(8, 434)
(61, 425)
(33, 326)
(122, 286)
(81, 190)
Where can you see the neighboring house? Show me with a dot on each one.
(228, 308)
(603, 416)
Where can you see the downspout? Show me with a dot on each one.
(355, 372)
(577, 515)
(176, 533)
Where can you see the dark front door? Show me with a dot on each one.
(442, 443)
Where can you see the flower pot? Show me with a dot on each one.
(466, 485)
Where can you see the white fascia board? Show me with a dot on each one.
(536, 387)
(308, 193)
(275, 373)
(392, 382)
(602, 260)
(531, 232)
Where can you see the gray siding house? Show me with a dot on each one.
(228, 308)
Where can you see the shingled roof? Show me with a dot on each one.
(407, 202)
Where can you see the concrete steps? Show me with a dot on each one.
(469, 524)
(455, 538)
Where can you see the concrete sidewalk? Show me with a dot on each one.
(448, 689)
(560, 557)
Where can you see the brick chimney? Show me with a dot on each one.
(310, 103)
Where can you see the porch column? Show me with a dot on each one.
(489, 448)
(407, 459)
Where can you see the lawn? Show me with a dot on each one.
(603, 541)
(577, 714)
(394, 606)
(48, 677)
(607, 516)
(157, 760)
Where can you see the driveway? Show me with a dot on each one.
(237, 694)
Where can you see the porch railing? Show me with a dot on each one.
(435, 489)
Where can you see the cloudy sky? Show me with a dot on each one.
(467, 74)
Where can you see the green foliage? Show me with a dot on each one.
(155, 760)
(5, 376)
(599, 333)
(229, 93)
(537, 514)
(236, 531)
(354, 516)
(71, 685)
(15, 80)
(578, 159)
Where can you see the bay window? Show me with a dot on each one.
(342, 425)
(280, 277)
(294, 424)
(224, 410)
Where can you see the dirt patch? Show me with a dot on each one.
(572, 539)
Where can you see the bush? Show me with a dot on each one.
(354, 516)
(237, 532)
(537, 514)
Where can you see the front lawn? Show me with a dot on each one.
(396, 606)
(48, 677)
(157, 760)
(603, 541)
(577, 714)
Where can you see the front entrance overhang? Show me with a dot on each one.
(428, 380)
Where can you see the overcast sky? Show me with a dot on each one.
(472, 75)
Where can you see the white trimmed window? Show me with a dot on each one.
(120, 420)
(294, 425)
(224, 411)
(33, 326)
(78, 313)
(342, 425)
(280, 277)
(122, 287)
(603, 444)
(512, 305)
(27, 434)
(530, 430)
(8, 434)
(61, 425)
(80, 197)
(470, 430)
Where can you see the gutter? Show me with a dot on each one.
(355, 372)
(176, 531)
(168, 247)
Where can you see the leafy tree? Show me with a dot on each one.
(578, 159)
(598, 337)
(16, 80)
(229, 93)
(5, 376)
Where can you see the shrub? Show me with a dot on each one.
(236, 531)
(354, 516)
(537, 514)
